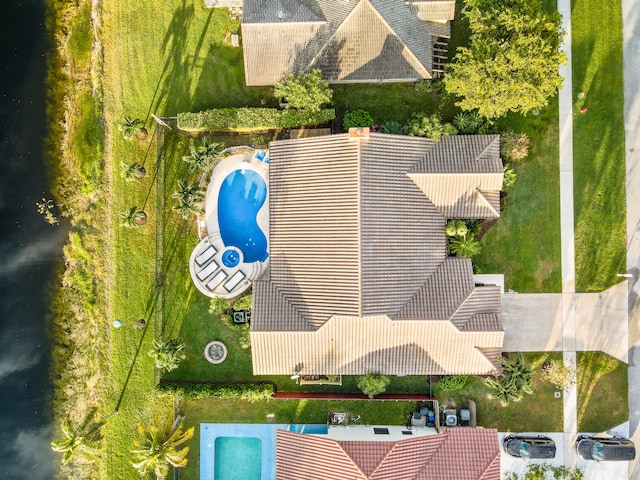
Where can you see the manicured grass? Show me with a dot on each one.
(598, 144)
(538, 412)
(166, 58)
(524, 244)
(285, 411)
(602, 392)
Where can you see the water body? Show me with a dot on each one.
(29, 248)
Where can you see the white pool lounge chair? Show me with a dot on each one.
(204, 257)
(217, 280)
(234, 280)
(208, 270)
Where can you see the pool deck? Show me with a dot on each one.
(221, 280)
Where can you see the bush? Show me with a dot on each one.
(509, 179)
(429, 126)
(243, 303)
(515, 381)
(373, 384)
(514, 147)
(253, 392)
(167, 354)
(451, 383)
(392, 127)
(250, 119)
(560, 375)
(357, 118)
(430, 85)
(305, 90)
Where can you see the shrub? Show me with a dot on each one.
(357, 118)
(167, 354)
(253, 392)
(557, 373)
(430, 85)
(243, 303)
(456, 228)
(392, 127)
(373, 384)
(250, 119)
(451, 383)
(429, 126)
(509, 178)
(305, 90)
(465, 246)
(514, 147)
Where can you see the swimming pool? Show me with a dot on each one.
(241, 196)
(238, 458)
(310, 428)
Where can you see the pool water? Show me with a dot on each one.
(241, 196)
(312, 428)
(238, 458)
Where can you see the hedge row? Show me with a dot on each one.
(244, 391)
(250, 119)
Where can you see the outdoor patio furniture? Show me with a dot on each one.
(207, 271)
(206, 255)
(217, 280)
(235, 279)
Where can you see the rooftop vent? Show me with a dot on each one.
(359, 132)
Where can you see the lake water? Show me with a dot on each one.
(29, 247)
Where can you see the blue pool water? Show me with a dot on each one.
(242, 195)
(238, 458)
(315, 429)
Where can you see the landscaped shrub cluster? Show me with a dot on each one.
(357, 118)
(251, 119)
(514, 147)
(430, 85)
(542, 471)
(461, 236)
(516, 381)
(373, 384)
(451, 383)
(429, 126)
(251, 392)
(305, 90)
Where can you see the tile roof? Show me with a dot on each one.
(456, 454)
(349, 40)
(359, 276)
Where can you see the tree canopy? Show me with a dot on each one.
(512, 60)
(305, 90)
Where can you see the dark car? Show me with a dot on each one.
(529, 446)
(605, 448)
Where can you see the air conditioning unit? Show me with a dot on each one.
(450, 418)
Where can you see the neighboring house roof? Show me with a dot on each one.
(359, 276)
(456, 454)
(349, 40)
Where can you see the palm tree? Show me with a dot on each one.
(167, 354)
(156, 449)
(133, 127)
(132, 172)
(515, 382)
(188, 195)
(202, 157)
(465, 246)
(81, 439)
(132, 217)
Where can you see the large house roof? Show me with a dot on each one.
(456, 454)
(349, 40)
(359, 276)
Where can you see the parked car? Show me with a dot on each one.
(529, 446)
(591, 447)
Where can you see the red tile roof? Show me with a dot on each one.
(456, 454)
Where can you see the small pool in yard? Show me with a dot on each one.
(241, 196)
(238, 458)
(312, 428)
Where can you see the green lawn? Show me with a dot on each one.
(524, 244)
(602, 392)
(598, 144)
(538, 412)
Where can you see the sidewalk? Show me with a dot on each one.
(631, 66)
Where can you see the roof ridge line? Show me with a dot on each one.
(359, 197)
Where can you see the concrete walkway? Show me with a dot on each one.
(567, 238)
(631, 65)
